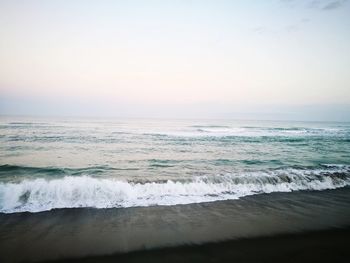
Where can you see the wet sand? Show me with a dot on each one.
(316, 246)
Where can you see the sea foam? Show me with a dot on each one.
(85, 191)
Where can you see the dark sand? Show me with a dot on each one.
(317, 246)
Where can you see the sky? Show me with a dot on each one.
(273, 59)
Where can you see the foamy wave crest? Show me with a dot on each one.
(84, 191)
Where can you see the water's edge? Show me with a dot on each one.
(80, 232)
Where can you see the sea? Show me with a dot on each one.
(118, 185)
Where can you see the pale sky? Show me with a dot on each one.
(239, 59)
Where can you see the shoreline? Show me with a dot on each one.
(82, 233)
(329, 245)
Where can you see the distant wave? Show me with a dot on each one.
(27, 123)
(84, 191)
(213, 131)
(18, 170)
(190, 132)
(210, 126)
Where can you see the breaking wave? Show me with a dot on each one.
(84, 191)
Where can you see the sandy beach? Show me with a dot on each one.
(316, 246)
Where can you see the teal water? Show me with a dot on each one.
(62, 163)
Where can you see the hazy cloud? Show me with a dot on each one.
(292, 28)
(305, 20)
(317, 4)
(334, 5)
(259, 29)
(289, 3)
(326, 5)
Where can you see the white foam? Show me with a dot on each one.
(69, 192)
(224, 131)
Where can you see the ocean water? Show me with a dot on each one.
(61, 163)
